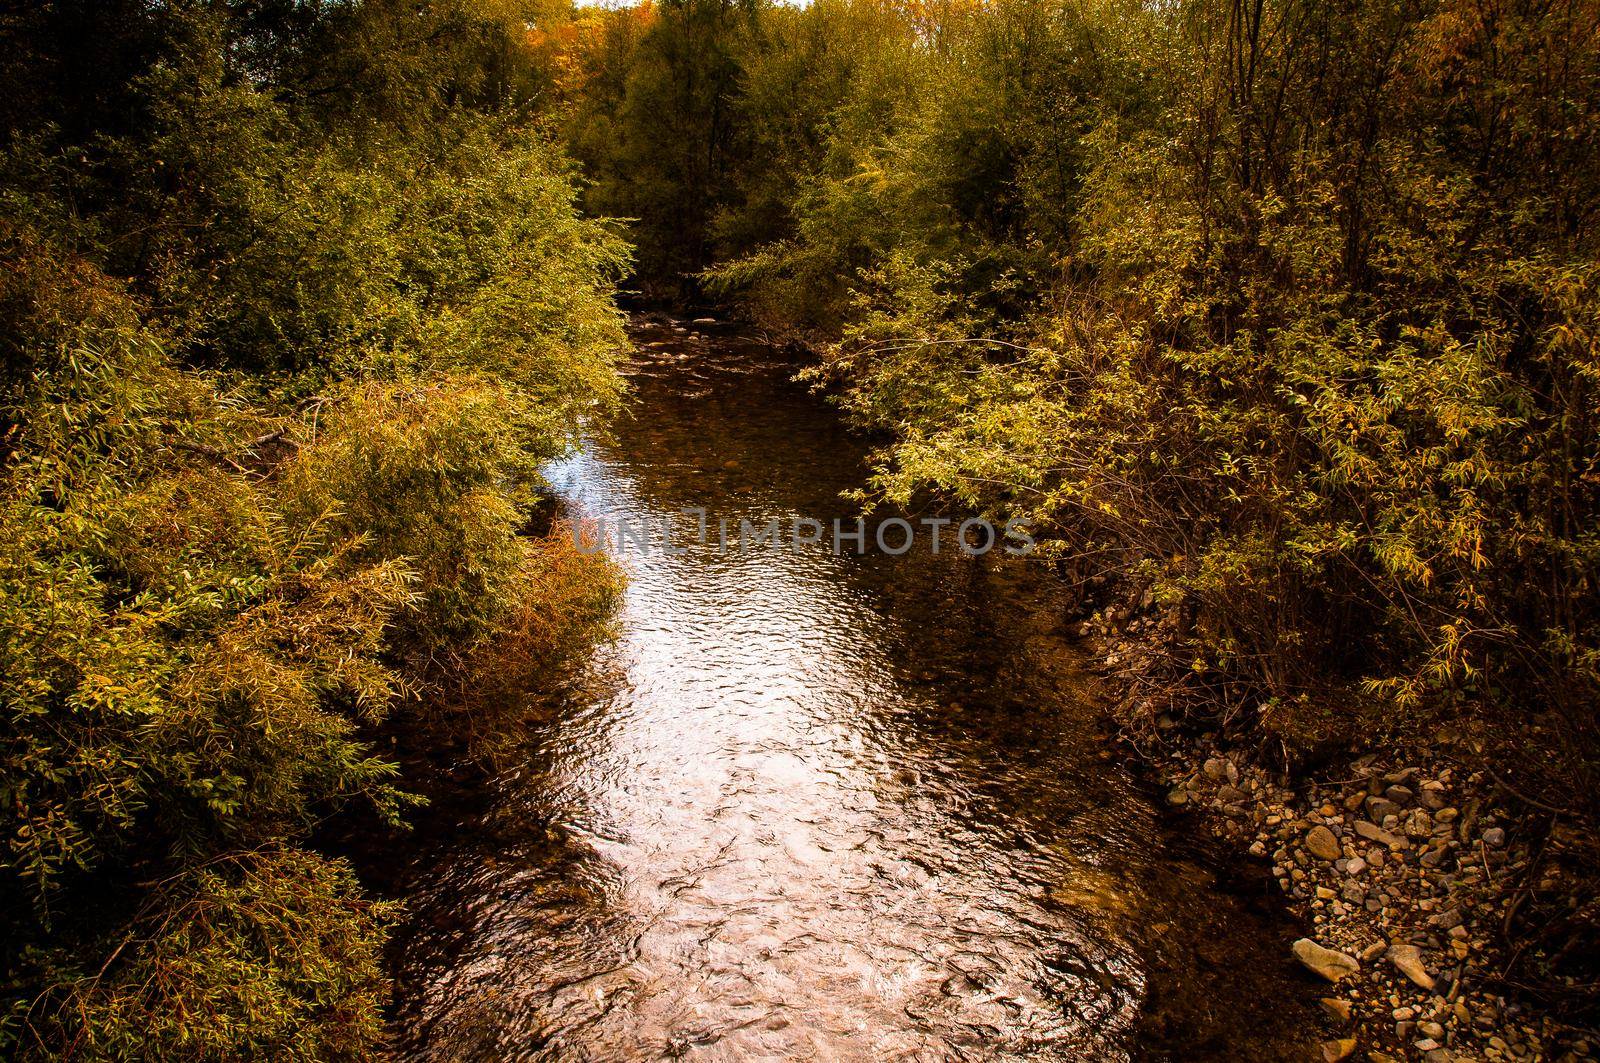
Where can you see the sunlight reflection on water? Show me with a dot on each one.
(807, 806)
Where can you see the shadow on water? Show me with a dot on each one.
(819, 807)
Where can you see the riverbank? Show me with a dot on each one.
(1408, 866)
(1414, 869)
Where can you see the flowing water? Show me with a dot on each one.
(811, 806)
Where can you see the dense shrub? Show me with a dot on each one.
(495, 687)
(1344, 417)
(273, 954)
(1283, 312)
(294, 302)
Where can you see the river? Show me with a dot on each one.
(819, 806)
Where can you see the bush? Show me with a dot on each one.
(294, 301)
(484, 697)
(177, 660)
(273, 954)
(1285, 314)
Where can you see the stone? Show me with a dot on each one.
(1321, 844)
(1356, 866)
(1494, 837)
(1334, 1051)
(1379, 807)
(1407, 959)
(1336, 1009)
(1450, 917)
(1373, 832)
(1329, 963)
(1418, 823)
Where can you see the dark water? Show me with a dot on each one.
(819, 807)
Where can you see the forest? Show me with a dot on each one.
(1278, 322)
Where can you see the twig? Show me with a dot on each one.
(210, 452)
(1520, 796)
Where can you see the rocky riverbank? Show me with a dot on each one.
(1408, 867)
(1405, 876)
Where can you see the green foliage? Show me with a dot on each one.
(257, 955)
(1287, 312)
(288, 330)
(434, 474)
(563, 600)
(971, 150)
(180, 664)
(654, 128)
(1336, 398)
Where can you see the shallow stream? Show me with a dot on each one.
(820, 807)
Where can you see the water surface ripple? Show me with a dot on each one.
(818, 807)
